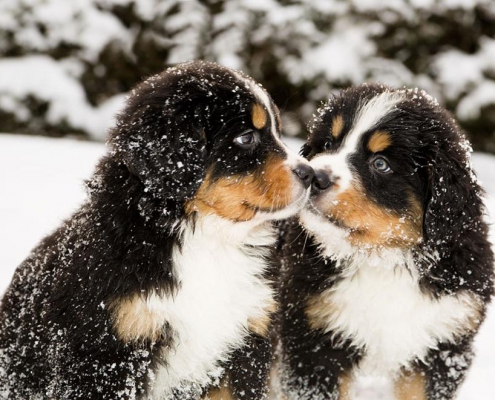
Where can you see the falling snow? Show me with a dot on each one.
(51, 171)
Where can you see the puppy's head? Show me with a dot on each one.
(391, 170)
(208, 138)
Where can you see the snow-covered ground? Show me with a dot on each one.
(41, 183)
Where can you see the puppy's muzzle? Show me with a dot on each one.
(305, 173)
(322, 181)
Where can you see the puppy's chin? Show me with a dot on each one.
(301, 198)
(315, 222)
(333, 240)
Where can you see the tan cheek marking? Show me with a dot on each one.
(373, 225)
(259, 117)
(234, 197)
(411, 385)
(337, 126)
(134, 321)
(223, 197)
(277, 183)
(379, 141)
(222, 392)
(260, 325)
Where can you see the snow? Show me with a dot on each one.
(90, 27)
(470, 106)
(47, 80)
(465, 76)
(457, 71)
(42, 183)
(316, 45)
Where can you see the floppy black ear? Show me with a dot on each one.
(160, 138)
(454, 204)
(456, 253)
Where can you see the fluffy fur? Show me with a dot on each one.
(388, 271)
(158, 287)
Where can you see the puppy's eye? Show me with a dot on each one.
(381, 165)
(246, 139)
(327, 145)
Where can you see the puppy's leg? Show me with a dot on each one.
(446, 369)
(247, 372)
(222, 392)
(250, 367)
(316, 369)
(314, 363)
(113, 372)
(411, 385)
(110, 358)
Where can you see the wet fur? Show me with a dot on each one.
(322, 345)
(86, 313)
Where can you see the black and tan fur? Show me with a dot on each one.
(402, 207)
(87, 315)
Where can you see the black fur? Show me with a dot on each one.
(250, 363)
(56, 336)
(429, 157)
(312, 361)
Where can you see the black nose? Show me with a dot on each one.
(321, 182)
(305, 173)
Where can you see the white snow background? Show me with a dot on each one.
(41, 183)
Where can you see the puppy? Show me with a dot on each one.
(388, 271)
(158, 286)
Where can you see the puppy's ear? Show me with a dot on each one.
(160, 138)
(456, 253)
(454, 205)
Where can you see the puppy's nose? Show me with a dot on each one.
(305, 173)
(321, 182)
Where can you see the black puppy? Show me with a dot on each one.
(158, 287)
(388, 271)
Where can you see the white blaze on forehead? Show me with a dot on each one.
(368, 115)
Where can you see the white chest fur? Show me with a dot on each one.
(382, 310)
(220, 288)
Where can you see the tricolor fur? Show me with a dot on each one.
(388, 271)
(159, 287)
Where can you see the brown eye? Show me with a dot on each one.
(247, 139)
(381, 165)
(327, 145)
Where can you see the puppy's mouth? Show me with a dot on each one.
(290, 209)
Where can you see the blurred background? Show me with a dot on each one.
(65, 66)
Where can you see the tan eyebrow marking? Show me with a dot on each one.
(259, 117)
(379, 141)
(337, 126)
